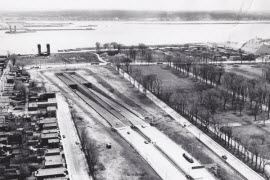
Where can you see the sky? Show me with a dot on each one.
(168, 5)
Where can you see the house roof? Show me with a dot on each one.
(53, 160)
(48, 121)
(53, 151)
(53, 141)
(50, 125)
(50, 131)
(50, 136)
(50, 172)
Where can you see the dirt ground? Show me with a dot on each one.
(38, 61)
(68, 58)
(121, 162)
(114, 85)
(78, 57)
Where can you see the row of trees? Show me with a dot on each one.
(112, 45)
(150, 81)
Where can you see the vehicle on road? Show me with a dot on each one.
(146, 142)
(189, 177)
(77, 142)
(224, 157)
(189, 159)
(64, 136)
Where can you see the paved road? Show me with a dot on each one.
(76, 162)
(165, 169)
(175, 152)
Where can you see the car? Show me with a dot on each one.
(128, 132)
(77, 142)
(189, 159)
(146, 142)
(189, 177)
(224, 157)
(64, 136)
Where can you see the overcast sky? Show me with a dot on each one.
(188, 5)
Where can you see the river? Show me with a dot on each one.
(131, 33)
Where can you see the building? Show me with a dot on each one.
(52, 152)
(53, 161)
(50, 126)
(41, 174)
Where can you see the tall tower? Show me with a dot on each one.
(15, 29)
(48, 49)
(10, 30)
(39, 49)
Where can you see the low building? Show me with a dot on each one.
(45, 104)
(54, 143)
(53, 161)
(46, 137)
(32, 107)
(47, 121)
(41, 174)
(51, 111)
(50, 131)
(52, 152)
(50, 126)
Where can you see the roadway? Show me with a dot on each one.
(76, 162)
(165, 169)
(175, 152)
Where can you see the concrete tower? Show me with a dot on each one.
(48, 49)
(39, 49)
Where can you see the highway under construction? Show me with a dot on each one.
(168, 159)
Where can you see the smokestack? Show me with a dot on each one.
(39, 49)
(48, 49)
(10, 30)
(15, 29)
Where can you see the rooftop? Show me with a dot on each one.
(50, 136)
(50, 131)
(50, 172)
(53, 141)
(50, 125)
(53, 160)
(48, 121)
(53, 151)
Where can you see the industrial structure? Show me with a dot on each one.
(47, 53)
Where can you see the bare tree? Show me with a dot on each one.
(91, 153)
(98, 45)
